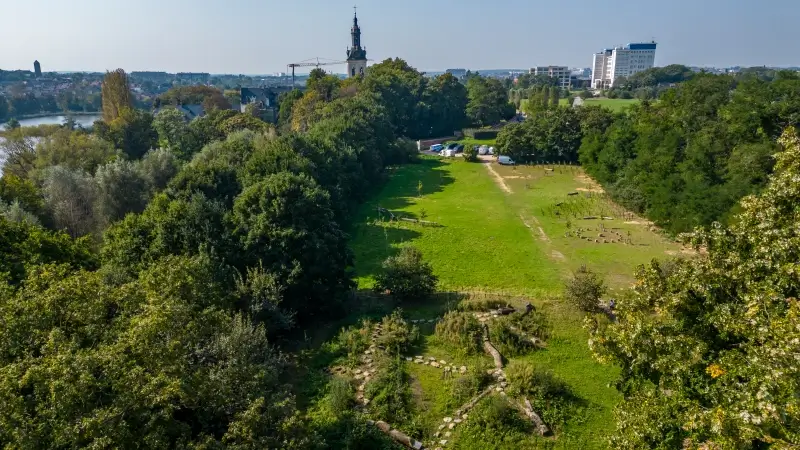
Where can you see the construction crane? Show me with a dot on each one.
(313, 62)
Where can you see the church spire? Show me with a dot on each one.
(355, 32)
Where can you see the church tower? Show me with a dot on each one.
(356, 55)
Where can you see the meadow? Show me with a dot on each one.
(510, 233)
(614, 104)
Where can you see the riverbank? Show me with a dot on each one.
(56, 113)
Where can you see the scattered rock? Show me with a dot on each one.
(443, 442)
(442, 426)
(447, 419)
(443, 362)
(451, 425)
(431, 358)
(447, 434)
(465, 416)
(408, 358)
(457, 421)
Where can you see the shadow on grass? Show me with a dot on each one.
(409, 181)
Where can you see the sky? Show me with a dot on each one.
(263, 36)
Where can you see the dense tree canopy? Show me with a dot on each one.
(686, 160)
(709, 347)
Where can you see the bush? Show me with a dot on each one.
(470, 154)
(482, 305)
(584, 290)
(494, 424)
(389, 391)
(534, 324)
(477, 133)
(460, 331)
(507, 342)
(406, 276)
(468, 385)
(396, 337)
(550, 397)
(526, 380)
(353, 341)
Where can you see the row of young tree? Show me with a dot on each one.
(157, 324)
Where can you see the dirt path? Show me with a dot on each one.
(498, 179)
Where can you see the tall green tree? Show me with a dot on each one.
(488, 101)
(116, 95)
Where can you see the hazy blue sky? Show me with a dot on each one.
(262, 36)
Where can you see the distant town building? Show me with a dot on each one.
(189, 112)
(356, 55)
(560, 73)
(196, 77)
(616, 62)
(37, 69)
(265, 98)
(458, 73)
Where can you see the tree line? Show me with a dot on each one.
(683, 161)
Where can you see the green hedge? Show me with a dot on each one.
(477, 133)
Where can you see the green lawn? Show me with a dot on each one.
(519, 239)
(614, 104)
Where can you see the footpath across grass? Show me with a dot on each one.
(517, 233)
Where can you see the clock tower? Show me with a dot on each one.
(356, 55)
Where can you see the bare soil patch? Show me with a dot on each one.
(498, 179)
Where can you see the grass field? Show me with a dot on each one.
(512, 230)
(614, 104)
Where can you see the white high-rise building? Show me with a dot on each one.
(561, 73)
(613, 63)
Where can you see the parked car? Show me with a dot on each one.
(491, 150)
(448, 153)
(437, 147)
(460, 148)
(505, 160)
(483, 150)
(451, 146)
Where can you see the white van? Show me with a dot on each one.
(482, 150)
(505, 160)
(448, 153)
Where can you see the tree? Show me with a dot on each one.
(554, 94)
(132, 132)
(23, 245)
(158, 167)
(286, 222)
(12, 124)
(708, 349)
(406, 276)
(174, 133)
(164, 342)
(488, 101)
(19, 152)
(69, 196)
(74, 150)
(584, 290)
(121, 189)
(241, 122)
(448, 100)
(513, 141)
(116, 95)
(286, 101)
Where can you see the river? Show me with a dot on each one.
(83, 120)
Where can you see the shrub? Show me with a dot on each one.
(550, 397)
(470, 154)
(461, 331)
(534, 323)
(406, 276)
(507, 342)
(396, 336)
(584, 290)
(494, 424)
(389, 391)
(468, 385)
(526, 380)
(483, 305)
(353, 341)
(477, 133)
